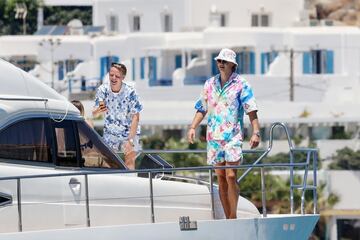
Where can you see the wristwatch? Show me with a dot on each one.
(131, 141)
(257, 133)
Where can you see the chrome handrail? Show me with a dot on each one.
(311, 152)
(291, 155)
(269, 147)
(202, 168)
(31, 99)
(149, 171)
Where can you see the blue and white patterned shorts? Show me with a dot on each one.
(117, 144)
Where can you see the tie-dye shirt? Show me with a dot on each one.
(121, 108)
(226, 106)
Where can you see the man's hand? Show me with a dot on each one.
(127, 147)
(191, 135)
(99, 110)
(254, 140)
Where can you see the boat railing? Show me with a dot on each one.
(310, 152)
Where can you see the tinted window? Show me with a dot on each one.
(93, 152)
(25, 140)
(65, 144)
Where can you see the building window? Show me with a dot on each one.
(67, 66)
(218, 19)
(254, 20)
(167, 22)
(136, 23)
(26, 63)
(264, 20)
(246, 62)
(266, 59)
(320, 132)
(113, 23)
(348, 228)
(223, 20)
(339, 132)
(318, 61)
(260, 20)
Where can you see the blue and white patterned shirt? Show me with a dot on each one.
(121, 107)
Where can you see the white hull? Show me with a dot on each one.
(294, 227)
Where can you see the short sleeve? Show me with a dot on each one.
(201, 103)
(247, 98)
(134, 102)
(100, 95)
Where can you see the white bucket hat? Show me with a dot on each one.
(227, 55)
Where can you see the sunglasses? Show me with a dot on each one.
(221, 61)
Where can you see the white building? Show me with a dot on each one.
(124, 16)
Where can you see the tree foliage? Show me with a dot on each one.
(63, 15)
(177, 159)
(52, 16)
(346, 159)
(11, 26)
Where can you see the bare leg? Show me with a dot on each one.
(223, 189)
(233, 189)
(129, 155)
(130, 160)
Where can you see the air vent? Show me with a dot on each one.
(5, 199)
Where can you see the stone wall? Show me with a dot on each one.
(346, 12)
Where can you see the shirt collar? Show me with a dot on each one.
(231, 79)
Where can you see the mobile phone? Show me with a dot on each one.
(101, 104)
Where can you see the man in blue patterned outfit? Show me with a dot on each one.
(121, 106)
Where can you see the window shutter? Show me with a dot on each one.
(330, 61)
(214, 69)
(152, 71)
(133, 68)
(263, 62)
(252, 63)
(306, 63)
(178, 61)
(142, 67)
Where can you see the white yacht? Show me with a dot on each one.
(58, 180)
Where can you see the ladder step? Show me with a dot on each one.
(308, 187)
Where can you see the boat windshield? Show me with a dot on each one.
(93, 151)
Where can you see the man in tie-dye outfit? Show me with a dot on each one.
(224, 99)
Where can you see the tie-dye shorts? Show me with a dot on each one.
(219, 151)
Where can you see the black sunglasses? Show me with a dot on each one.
(221, 61)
